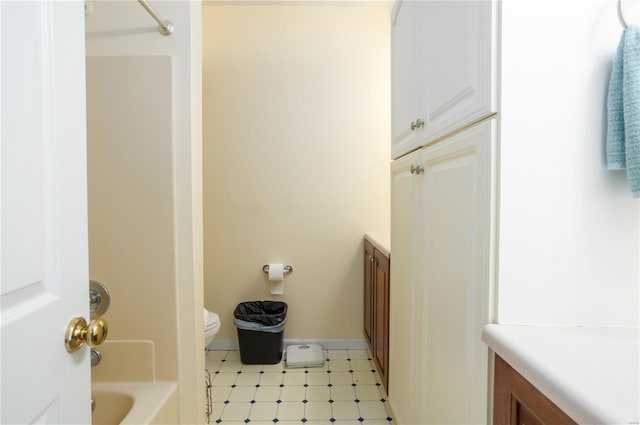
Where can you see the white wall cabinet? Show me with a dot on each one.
(442, 69)
(440, 281)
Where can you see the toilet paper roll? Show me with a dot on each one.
(276, 275)
(276, 272)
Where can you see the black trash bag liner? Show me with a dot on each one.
(266, 313)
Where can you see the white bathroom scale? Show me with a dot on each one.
(309, 355)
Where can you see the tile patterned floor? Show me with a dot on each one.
(346, 390)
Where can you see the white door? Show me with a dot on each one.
(44, 212)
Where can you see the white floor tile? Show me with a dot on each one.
(224, 379)
(317, 393)
(343, 393)
(220, 394)
(271, 378)
(290, 411)
(364, 378)
(339, 365)
(236, 411)
(251, 367)
(372, 410)
(361, 364)
(248, 378)
(292, 393)
(345, 410)
(216, 411)
(263, 411)
(231, 366)
(242, 394)
(317, 410)
(341, 378)
(294, 379)
(267, 394)
(369, 392)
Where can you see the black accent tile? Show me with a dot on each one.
(262, 371)
(278, 401)
(332, 420)
(284, 371)
(239, 372)
(377, 384)
(305, 401)
(389, 418)
(303, 420)
(275, 420)
(217, 372)
(382, 400)
(353, 385)
(233, 385)
(349, 359)
(306, 371)
(361, 419)
(350, 371)
(246, 421)
(373, 370)
(369, 359)
(305, 385)
(329, 385)
(330, 401)
(257, 385)
(223, 360)
(226, 402)
(328, 371)
(356, 400)
(252, 401)
(281, 385)
(218, 421)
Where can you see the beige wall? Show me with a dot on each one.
(146, 229)
(296, 154)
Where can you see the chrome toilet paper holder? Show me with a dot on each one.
(287, 268)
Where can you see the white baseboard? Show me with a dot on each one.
(327, 344)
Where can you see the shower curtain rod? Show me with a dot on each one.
(166, 27)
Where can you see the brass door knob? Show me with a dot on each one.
(78, 333)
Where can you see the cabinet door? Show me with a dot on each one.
(405, 95)
(457, 79)
(456, 252)
(403, 291)
(381, 315)
(368, 293)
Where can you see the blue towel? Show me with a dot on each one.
(623, 109)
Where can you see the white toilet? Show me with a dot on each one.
(211, 326)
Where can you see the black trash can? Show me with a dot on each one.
(260, 327)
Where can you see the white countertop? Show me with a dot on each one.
(380, 240)
(591, 373)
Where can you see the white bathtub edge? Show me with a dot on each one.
(148, 398)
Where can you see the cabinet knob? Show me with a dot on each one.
(416, 169)
(417, 124)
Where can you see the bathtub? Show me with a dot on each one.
(133, 403)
